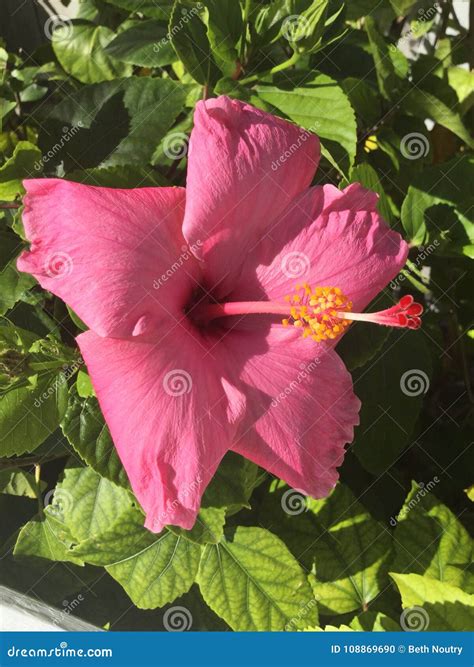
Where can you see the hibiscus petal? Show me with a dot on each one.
(171, 426)
(244, 168)
(328, 238)
(301, 409)
(105, 251)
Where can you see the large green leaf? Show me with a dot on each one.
(252, 581)
(121, 122)
(189, 38)
(29, 414)
(390, 84)
(400, 372)
(429, 540)
(146, 44)
(18, 483)
(80, 48)
(430, 604)
(208, 529)
(224, 28)
(14, 285)
(350, 551)
(86, 430)
(24, 163)
(322, 107)
(89, 503)
(153, 569)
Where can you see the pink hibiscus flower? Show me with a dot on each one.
(201, 341)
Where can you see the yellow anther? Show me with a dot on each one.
(316, 310)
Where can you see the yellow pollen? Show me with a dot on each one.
(315, 309)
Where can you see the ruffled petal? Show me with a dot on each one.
(328, 238)
(301, 409)
(171, 417)
(244, 168)
(109, 254)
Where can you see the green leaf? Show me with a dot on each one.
(232, 484)
(429, 540)
(350, 550)
(425, 105)
(444, 607)
(25, 162)
(153, 569)
(89, 503)
(146, 44)
(18, 483)
(365, 174)
(80, 48)
(46, 537)
(84, 386)
(147, 7)
(371, 621)
(321, 107)
(389, 84)
(28, 415)
(439, 186)
(190, 41)
(121, 176)
(14, 285)
(400, 372)
(224, 28)
(121, 122)
(305, 31)
(85, 428)
(252, 581)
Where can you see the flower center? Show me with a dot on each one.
(321, 313)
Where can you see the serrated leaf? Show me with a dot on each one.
(350, 550)
(80, 48)
(322, 107)
(146, 44)
(17, 167)
(253, 582)
(153, 569)
(88, 503)
(85, 428)
(28, 415)
(371, 621)
(447, 607)
(121, 122)
(429, 540)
